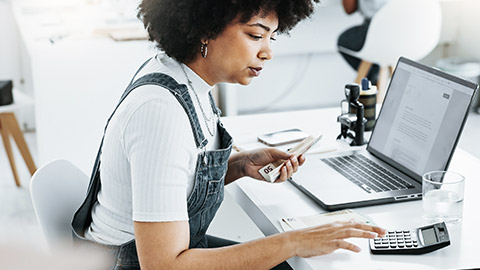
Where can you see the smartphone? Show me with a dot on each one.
(283, 137)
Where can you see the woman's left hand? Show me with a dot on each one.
(257, 159)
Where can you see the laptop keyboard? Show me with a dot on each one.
(367, 174)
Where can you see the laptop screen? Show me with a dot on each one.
(421, 118)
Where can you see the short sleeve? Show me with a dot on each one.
(156, 144)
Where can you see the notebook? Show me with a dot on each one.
(417, 130)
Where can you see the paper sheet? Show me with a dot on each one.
(296, 223)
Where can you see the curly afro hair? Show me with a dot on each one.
(177, 26)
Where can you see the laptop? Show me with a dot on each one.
(417, 130)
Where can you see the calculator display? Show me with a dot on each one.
(429, 236)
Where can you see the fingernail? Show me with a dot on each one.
(357, 249)
(289, 163)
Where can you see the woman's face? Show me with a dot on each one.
(239, 53)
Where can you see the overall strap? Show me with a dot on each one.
(180, 91)
(136, 73)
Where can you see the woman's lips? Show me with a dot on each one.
(255, 71)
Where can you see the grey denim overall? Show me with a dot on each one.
(207, 193)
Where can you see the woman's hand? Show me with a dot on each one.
(327, 238)
(256, 159)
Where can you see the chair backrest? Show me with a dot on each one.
(57, 190)
(409, 28)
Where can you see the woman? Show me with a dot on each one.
(165, 157)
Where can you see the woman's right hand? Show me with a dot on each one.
(327, 238)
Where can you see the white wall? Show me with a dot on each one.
(14, 63)
(9, 65)
(467, 44)
(301, 81)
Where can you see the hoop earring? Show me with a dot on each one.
(204, 50)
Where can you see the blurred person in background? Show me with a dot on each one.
(354, 37)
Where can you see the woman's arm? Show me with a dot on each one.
(249, 162)
(164, 245)
(236, 163)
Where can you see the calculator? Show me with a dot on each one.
(415, 241)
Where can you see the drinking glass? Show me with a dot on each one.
(442, 193)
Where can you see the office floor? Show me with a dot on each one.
(18, 224)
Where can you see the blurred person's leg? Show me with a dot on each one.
(354, 39)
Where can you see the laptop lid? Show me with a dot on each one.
(421, 119)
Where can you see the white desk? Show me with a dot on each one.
(266, 203)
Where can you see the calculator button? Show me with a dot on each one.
(382, 246)
(401, 245)
(393, 245)
(399, 232)
(415, 244)
(406, 232)
(409, 245)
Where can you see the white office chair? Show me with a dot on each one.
(57, 190)
(409, 28)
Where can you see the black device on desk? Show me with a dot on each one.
(416, 241)
(352, 118)
(6, 96)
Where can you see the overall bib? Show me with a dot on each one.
(207, 193)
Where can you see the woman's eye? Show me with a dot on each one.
(256, 37)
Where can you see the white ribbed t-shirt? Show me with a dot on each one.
(149, 156)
